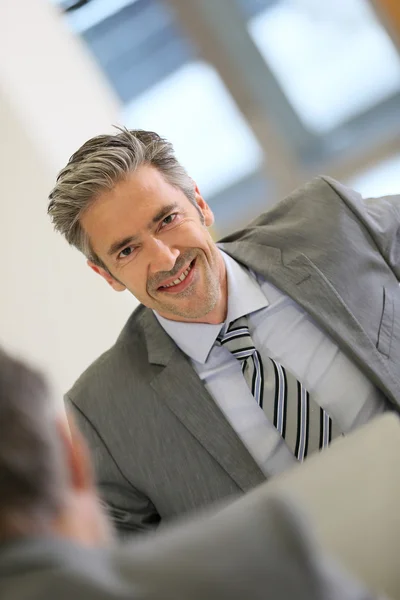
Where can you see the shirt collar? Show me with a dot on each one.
(244, 297)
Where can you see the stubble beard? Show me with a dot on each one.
(199, 307)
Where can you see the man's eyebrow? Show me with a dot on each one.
(120, 244)
(162, 213)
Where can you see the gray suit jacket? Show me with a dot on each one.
(257, 549)
(160, 444)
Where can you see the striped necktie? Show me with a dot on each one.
(305, 426)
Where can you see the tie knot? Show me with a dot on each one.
(240, 323)
(237, 339)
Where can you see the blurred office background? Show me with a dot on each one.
(257, 96)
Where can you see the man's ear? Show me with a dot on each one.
(205, 210)
(76, 454)
(116, 285)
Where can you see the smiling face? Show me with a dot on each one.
(155, 243)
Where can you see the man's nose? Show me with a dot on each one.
(162, 256)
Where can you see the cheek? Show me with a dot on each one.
(199, 237)
(134, 276)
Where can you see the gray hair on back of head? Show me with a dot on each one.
(98, 165)
(34, 480)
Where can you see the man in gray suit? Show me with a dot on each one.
(55, 541)
(243, 357)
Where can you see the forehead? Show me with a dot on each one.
(129, 207)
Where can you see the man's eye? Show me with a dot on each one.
(168, 220)
(125, 252)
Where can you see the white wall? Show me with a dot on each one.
(53, 309)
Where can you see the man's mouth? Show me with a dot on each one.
(179, 280)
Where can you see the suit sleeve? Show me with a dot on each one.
(380, 216)
(258, 548)
(130, 510)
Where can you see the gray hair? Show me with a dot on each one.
(100, 164)
(34, 480)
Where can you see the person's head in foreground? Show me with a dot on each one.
(126, 202)
(46, 483)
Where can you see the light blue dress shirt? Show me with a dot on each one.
(282, 330)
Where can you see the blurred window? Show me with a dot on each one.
(381, 180)
(164, 86)
(333, 69)
(338, 68)
(328, 58)
(192, 108)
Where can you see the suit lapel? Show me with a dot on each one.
(182, 391)
(305, 283)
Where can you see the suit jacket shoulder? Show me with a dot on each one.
(325, 216)
(302, 219)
